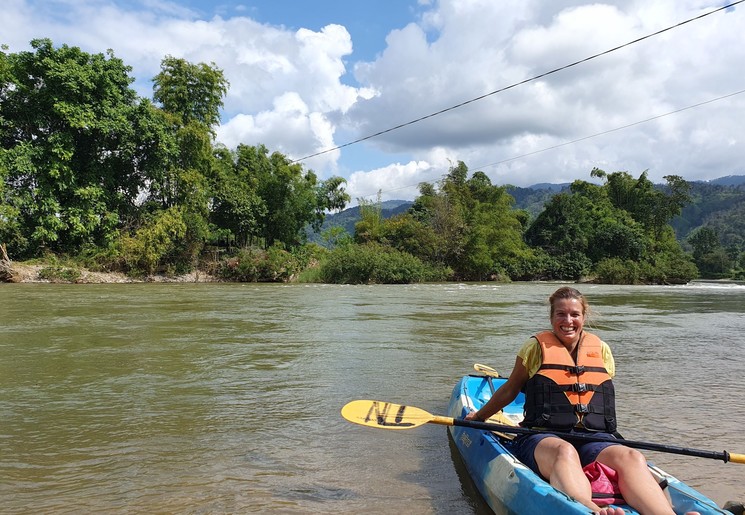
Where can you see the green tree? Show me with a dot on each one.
(76, 147)
(711, 258)
(445, 218)
(703, 241)
(407, 234)
(237, 210)
(293, 198)
(495, 243)
(623, 221)
(370, 226)
(192, 92)
(154, 243)
(191, 96)
(652, 207)
(476, 231)
(715, 265)
(331, 195)
(563, 230)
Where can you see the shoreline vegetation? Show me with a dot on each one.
(460, 230)
(35, 274)
(12, 272)
(98, 184)
(51, 272)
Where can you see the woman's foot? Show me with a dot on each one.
(612, 511)
(619, 511)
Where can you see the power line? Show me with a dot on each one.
(559, 145)
(481, 97)
(612, 130)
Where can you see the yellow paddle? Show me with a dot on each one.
(486, 370)
(499, 417)
(386, 415)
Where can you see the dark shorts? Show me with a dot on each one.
(523, 448)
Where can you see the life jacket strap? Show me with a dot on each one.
(581, 408)
(580, 388)
(576, 370)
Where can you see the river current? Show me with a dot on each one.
(225, 398)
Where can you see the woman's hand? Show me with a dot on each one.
(504, 395)
(472, 416)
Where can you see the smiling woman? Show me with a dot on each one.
(566, 375)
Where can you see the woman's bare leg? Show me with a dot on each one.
(559, 462)
(635, 481)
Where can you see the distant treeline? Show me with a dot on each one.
(709, 226)
(93, 175)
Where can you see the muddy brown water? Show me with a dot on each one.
(225, 398)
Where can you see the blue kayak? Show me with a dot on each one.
(508, 486)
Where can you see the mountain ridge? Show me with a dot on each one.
(707, 207)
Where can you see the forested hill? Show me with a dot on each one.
(718, 204)
(347, 218)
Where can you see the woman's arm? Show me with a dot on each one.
(505, 394)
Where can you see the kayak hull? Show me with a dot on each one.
(511, 488)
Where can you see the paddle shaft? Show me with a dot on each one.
(387, 415)
(487, 426)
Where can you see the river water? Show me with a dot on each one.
(225, 398)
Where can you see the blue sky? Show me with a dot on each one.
(368, 22)
(307, 76)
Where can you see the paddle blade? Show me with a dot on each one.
(486, 370)
(385, 415)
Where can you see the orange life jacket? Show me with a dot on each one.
(564, 394)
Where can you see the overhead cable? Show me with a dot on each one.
(534, 78)
(558, 145)
(612, 130)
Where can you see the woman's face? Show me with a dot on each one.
(567, 320)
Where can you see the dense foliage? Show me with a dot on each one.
(713, 229)
(91, 171)
(618, 232)
(88, 168)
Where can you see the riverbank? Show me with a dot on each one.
(44, 273)
(13, 272)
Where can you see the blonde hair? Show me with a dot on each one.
(569, 293)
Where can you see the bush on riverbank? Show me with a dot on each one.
(374, 263)
(274, 264)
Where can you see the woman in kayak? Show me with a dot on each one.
(566, 376)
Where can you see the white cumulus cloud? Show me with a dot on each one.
(298, 92)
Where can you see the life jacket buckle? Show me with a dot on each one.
(580, 387)
(581, 408)
(580, 369)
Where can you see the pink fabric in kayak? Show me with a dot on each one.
(604, 482)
